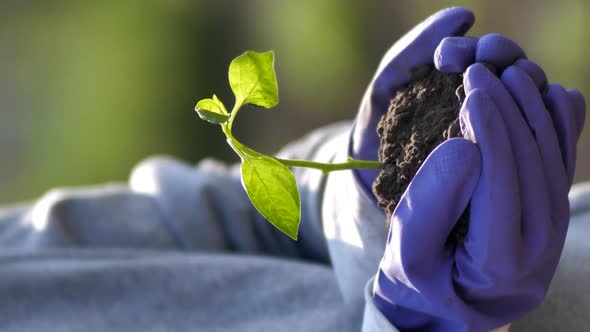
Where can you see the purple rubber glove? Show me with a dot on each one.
(403, 62)
(455, 54)
(514, 168)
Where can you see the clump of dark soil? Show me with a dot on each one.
(421, 116)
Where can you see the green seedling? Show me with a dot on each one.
(268, 181)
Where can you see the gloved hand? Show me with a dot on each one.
(515, 168)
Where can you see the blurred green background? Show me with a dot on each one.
(88, 89)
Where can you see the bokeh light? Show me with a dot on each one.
(89, 89)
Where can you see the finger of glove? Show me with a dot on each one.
(455, 54)
(561, 108)
(579, 105)
(433, 202)
(494, 227)
(526, 154)
(546, 198)
(534, 71)
(498, 50)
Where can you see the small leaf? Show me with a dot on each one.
(212, 110)
(273, 191)
(252, 79)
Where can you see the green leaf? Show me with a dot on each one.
(212, 110)
(273, 191)
(252, 79)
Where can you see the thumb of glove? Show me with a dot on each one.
(428, 210)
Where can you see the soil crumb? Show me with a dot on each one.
(421, 116)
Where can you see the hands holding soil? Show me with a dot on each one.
(511, 168)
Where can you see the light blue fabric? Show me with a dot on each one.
(180, 248)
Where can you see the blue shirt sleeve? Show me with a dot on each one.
(171, 206)
(168, 204)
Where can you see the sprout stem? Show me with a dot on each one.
(329, 167)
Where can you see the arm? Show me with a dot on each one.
(514, 168)
(170, 205)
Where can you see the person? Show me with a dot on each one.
(180, 248)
